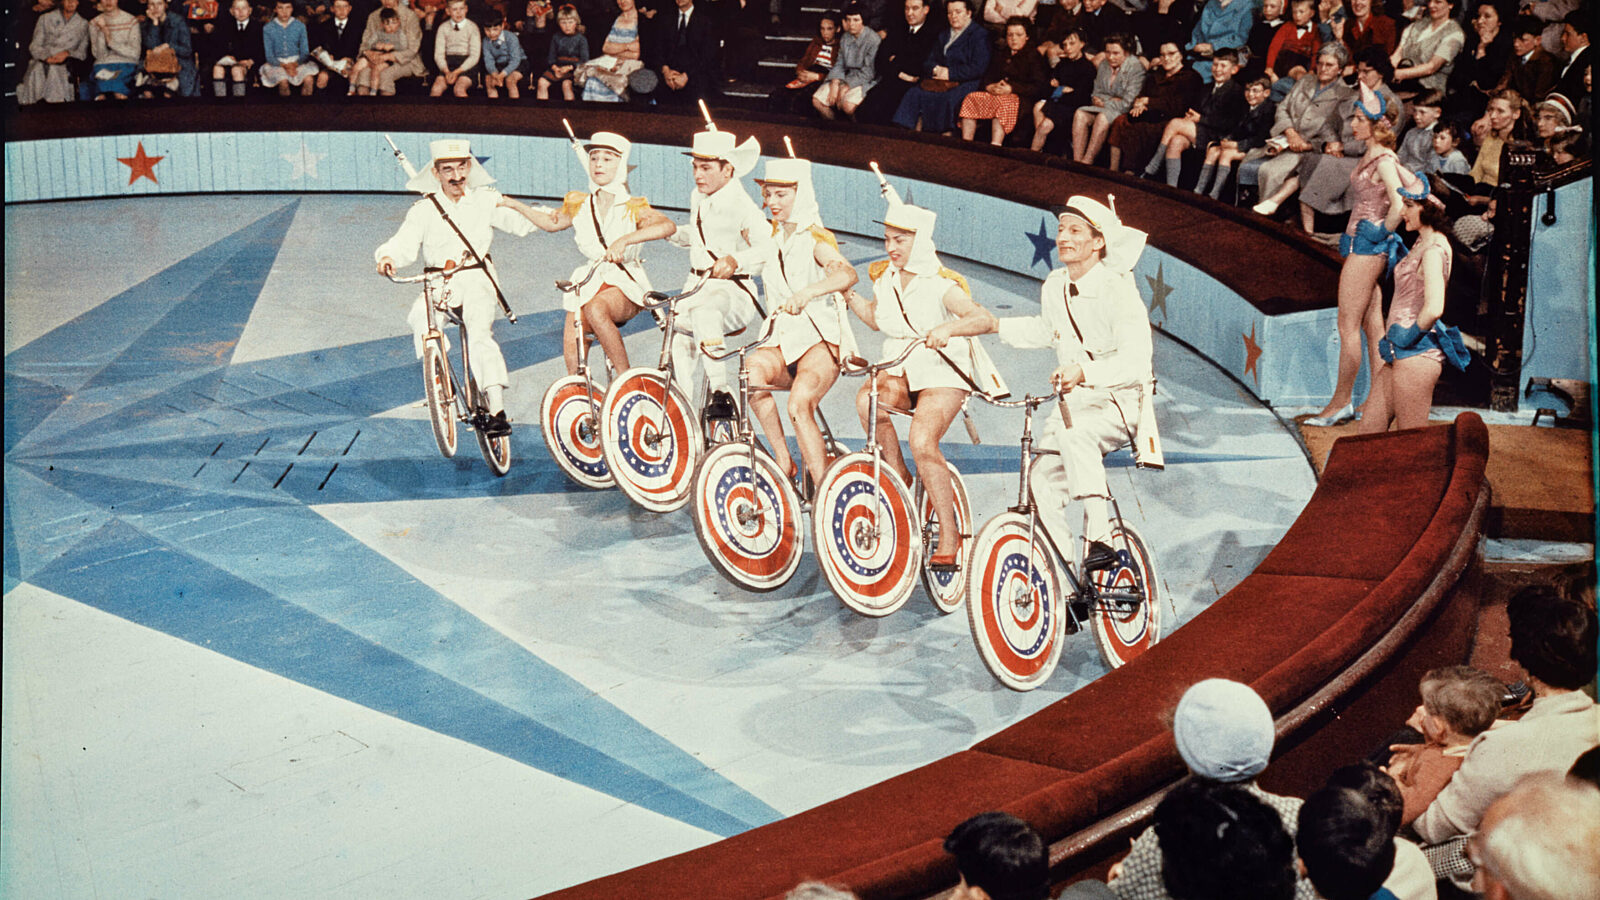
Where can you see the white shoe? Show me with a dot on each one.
(1265, 207)
(1346, 414)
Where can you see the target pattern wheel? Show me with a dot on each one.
(441, 397)
(947, 590)
(866, 538)
(747, 518)
(572, 434)
(1127, 620)
(651, 439)
(1014, 602)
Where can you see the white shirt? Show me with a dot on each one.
(476, 214)
(732, 225)
(1115, 348)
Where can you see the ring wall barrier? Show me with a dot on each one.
(1255, 299)
(1334, 628)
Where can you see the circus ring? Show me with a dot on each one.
(530, 667)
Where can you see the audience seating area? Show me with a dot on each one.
(1358, 592)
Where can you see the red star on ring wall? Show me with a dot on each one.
(1252, 353)
(141, 165)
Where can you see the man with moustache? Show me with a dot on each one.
(452, 227)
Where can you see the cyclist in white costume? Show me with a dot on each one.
(609, 225)
(1092, 316)
(460, 186)
(803, 278)
(915, 299)
(728, 239)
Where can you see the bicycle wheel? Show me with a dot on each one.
(1127, 618)
(747, 518)
(947, 590)
(440, 391)
(496, 452)
(1014, 602)
(866, 535)
(651, 439)
(571, 434)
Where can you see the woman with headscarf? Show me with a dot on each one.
(803, 277)
(917, 300)
(1371, 246)
(609, 225)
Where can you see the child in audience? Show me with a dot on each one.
(1416, 148)
(568, 50)
(1261, 35)
(374, 57)
(502, 57)
(1458, 704)
(1447, 156)
(1071, 83)
(1294, 46)
(1251, 132)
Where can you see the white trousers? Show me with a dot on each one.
(478, 311)
(717, 309)
(1079, 471)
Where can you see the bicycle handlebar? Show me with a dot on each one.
(762, 337)
(424, 275)
(1029, 401)
(849, 367)
(658, 299)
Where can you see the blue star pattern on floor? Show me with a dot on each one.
(149, 439)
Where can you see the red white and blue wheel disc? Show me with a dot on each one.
(1018, 610)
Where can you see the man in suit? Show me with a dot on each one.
(1575, 44)
(1532, 72)
(685, 54)
(960, 56)
(340, 37)
(899, 63)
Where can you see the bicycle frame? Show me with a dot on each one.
(872, 372)
(436, 302)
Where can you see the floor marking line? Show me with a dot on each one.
(351, 444)
(241, 472)
(263, 445)
(307, 444)
(282, 477)
(218, 447)
(329, 475)
(198, 471)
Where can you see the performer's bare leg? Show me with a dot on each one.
(892, 392)
(602, 314)
(766, 367)
(936, 409)
(815, 374)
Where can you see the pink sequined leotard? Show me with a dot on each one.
(1409, 291)
(1369, 196)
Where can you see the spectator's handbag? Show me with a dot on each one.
(161, 61)
(938, 85)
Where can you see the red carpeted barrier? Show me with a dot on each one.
(1353, 603)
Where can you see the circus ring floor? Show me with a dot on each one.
(261, 639)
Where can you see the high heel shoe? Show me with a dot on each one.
(1347, 413)
(946, 563)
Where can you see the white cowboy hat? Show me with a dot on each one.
(427, 182)
(719, 145)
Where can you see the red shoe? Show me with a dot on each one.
(946, 563)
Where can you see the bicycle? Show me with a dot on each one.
(869, 537)
(452, 399)
(570, 413)
(649, 435)
(1018, 612)
(746, 509)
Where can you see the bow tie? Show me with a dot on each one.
(1072, 289)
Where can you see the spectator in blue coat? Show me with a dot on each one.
(960, 57)
(286, 52)
(1223, 23)
(161, 30)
